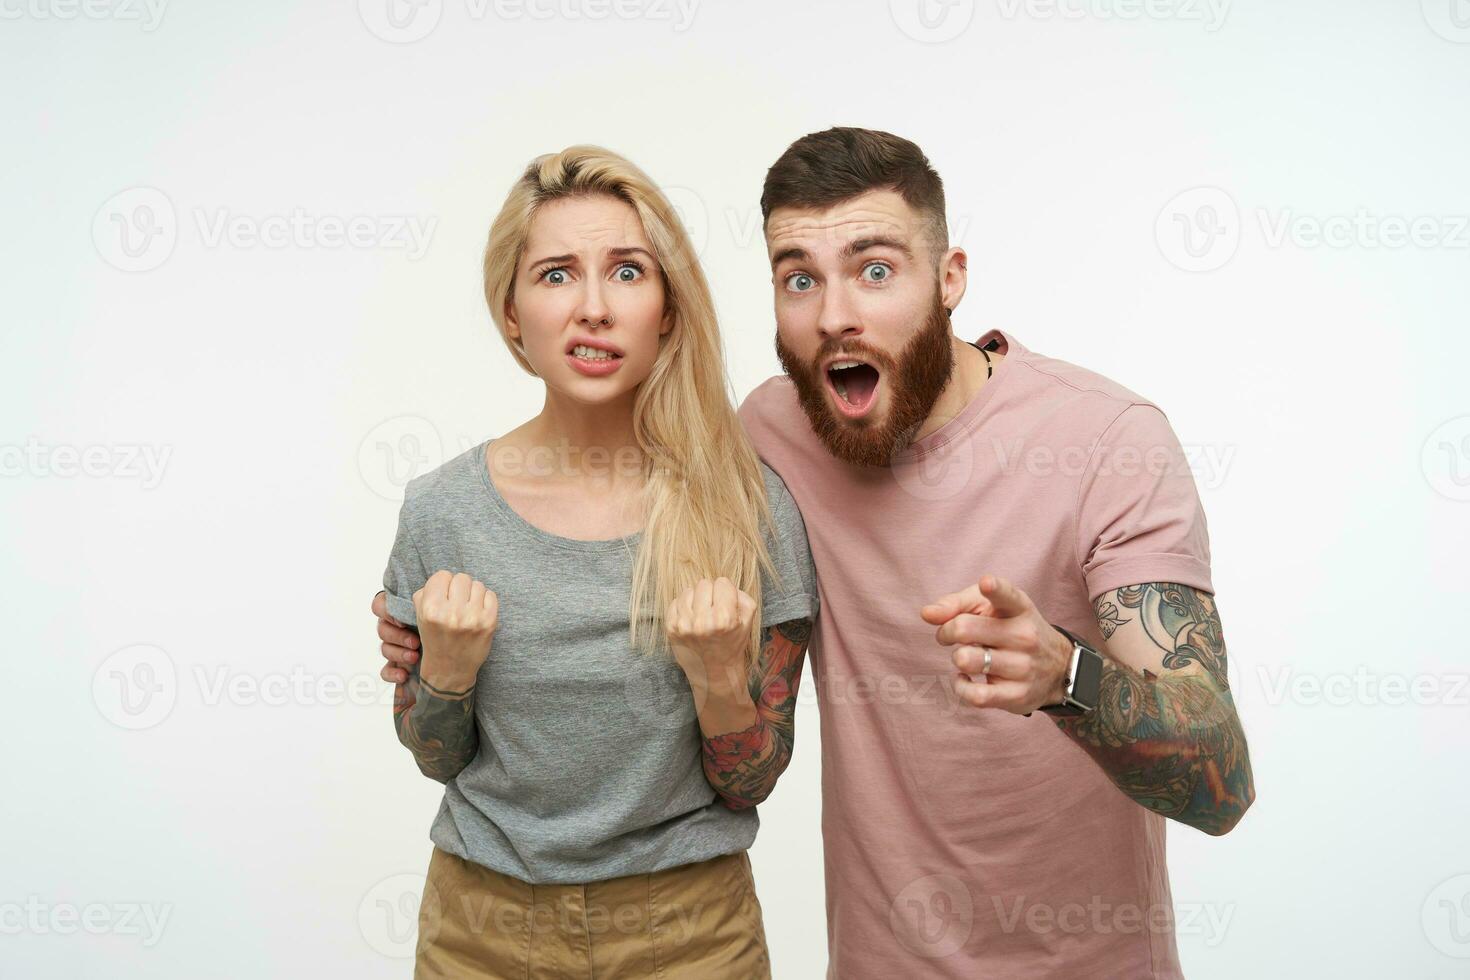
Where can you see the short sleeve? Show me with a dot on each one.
(795, 596)
(1139, 517)
(405, 573)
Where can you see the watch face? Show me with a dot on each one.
(1088, 682)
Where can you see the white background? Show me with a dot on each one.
(193, 727)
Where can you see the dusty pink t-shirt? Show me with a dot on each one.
(963, 842)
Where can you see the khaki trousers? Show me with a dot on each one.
(695, 922)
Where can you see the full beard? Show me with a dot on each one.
(915, 382)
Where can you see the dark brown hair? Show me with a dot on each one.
(837, 164)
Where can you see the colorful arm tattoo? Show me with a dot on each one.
(1165, 729)
(437, 726)
(743, 766)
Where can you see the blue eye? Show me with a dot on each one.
(876, 272)
(556, 276)
(629, 272)
(799, 282)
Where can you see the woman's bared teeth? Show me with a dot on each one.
(593, 353)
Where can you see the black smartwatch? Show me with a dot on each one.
(1084, 680)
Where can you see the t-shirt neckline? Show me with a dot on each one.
(509, 513)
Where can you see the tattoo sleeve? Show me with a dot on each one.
(1165, 728)
(743, 766)
(438, 727)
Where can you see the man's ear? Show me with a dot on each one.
(953, 277)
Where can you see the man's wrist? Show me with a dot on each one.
(1062, 703)
(1062, 643)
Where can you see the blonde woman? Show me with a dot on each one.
(607, 610)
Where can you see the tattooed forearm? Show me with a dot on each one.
(1169, 737)
(743, 766)
(437, 726)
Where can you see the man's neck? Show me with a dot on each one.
(973, 369)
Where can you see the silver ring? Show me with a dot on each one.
(985, 664)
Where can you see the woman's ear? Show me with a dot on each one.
(668, 321)
(512, 325)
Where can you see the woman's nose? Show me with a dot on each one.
(593, 310)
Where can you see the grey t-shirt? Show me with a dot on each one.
(589, 764)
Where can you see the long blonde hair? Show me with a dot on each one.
(704, 497)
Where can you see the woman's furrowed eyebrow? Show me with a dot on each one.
(616, 252)
(623, 251)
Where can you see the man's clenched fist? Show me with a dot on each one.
(708, 627)
(457, 616)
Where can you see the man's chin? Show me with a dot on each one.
(865, 441)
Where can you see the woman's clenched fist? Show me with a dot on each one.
(457, 616)
(708, 627)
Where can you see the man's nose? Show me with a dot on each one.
(837, 317)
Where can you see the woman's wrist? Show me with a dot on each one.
(446, 678)
(725, 710)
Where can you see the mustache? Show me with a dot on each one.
(856, 352)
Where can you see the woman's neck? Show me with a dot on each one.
(570, 427)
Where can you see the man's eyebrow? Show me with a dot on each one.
(788, 253)
(878, 241)
(849, 250)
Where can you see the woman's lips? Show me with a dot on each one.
(594, 368)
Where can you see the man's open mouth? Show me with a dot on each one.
(854, 383)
